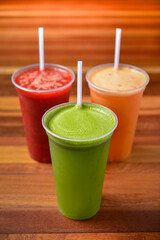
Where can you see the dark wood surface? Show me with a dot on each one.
(80, 30)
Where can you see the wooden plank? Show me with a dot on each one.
(91, 4)
(94, 58)
(72, 45)
(12, 141)
(78, 21)
(147, 126)
(154, 70)
(147, 140)
(32, 168)
(82, 236)
(136, 60)
(140, 154)
(81, 13)
(50, 220)
(20, 140)
(97, 54)
(133, 167)
(37, 190)
(7, 89)
(18, 154)
(149, 103)
(145, 153)
(76, 31)
(124, 205)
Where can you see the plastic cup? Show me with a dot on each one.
(34, 103)
(126, 105)
(79, 168)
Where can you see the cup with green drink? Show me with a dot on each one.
(79, 137)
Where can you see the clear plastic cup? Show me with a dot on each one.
(126, 105)
(79, 168)
(34, 103)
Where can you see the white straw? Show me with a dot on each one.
(117, 48)
(79, 83)
(41, 48)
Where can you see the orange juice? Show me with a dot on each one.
(120, 90)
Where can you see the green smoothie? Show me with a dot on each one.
(79, 139)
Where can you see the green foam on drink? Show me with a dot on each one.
(83, 122)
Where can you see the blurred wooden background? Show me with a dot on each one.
(80, 30)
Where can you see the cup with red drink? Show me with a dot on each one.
(39, 90)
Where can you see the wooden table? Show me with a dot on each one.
(80, 30)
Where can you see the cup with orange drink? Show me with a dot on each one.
(120, 90)
(119, 87)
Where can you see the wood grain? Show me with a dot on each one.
(82, 236)
(148, 127)
(19, 154)
(7, 89)
(76, 30)
(50, 220)
(150, 104)
(13, 126)
(79, 30)
(33, 167)
(39, 190)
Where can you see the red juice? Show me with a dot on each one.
(38, 91)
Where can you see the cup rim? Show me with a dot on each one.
(37, 65)
(117, 91)
(77, 139)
